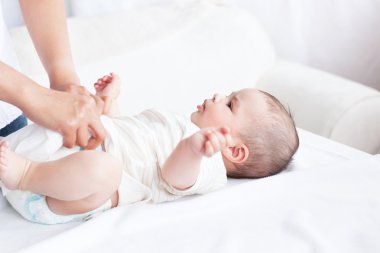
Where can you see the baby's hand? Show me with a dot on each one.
(108, 86)
(209, 141)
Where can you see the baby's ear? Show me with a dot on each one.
(236, 154)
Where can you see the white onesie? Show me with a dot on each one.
(143, 143)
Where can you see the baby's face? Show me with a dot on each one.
(233, 111)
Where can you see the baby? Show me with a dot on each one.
(154, 156)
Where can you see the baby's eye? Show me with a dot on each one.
(229, 104)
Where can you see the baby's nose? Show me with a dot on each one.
(216, 97)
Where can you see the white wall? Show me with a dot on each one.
(338, 36)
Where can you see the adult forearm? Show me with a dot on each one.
(17, 89)
(46, 23)
(182, 167)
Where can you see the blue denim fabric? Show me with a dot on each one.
(15, 125)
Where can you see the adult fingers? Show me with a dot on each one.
(69, 139)
(82, 136)
(98, 134)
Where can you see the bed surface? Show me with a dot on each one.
(327, 201)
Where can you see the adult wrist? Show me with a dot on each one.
(35, 94)
(61, 77)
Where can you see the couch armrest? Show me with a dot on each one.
(328, 105)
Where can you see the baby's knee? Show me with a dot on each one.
(106, 168)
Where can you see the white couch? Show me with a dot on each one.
(328, 105)
(340, 36)
(187, 60)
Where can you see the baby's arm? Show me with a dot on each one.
(182, 167)
(108, 88)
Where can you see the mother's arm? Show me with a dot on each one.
(72, 115)
(46, 23)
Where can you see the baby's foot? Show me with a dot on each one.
(13, 167)
(108, 86)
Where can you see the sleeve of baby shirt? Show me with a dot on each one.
(212, 173)
(212, 176)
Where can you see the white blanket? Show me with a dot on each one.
(327, 201)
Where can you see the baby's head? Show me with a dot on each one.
(263, 132)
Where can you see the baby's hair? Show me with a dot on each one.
(272, 141)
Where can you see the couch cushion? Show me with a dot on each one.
(328, 105)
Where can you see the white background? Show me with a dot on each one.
(338, 36)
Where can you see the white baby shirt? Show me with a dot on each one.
(143, 142)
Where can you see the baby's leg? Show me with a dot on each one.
(74, 184)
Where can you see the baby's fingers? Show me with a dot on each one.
(209, 150)
(225, 131)
(215, 139)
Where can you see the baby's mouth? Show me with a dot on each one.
(202, 107)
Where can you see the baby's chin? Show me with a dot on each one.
(193, 118)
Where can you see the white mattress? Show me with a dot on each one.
(327, 201)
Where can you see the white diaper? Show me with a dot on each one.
(33, 207)
(40, 144)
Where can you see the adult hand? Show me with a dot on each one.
(103, 103)
(75, 89)
(91, 138)
(73, 114)
(83, 126)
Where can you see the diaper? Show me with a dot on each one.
(33, 207)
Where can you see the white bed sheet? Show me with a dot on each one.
(327, 201)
